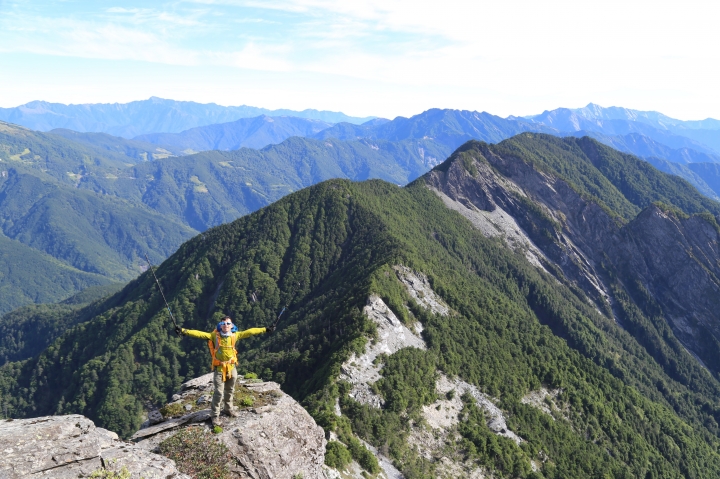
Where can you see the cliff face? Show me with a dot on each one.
(668, 266)
(274, 437)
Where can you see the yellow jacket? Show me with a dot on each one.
(225, 341)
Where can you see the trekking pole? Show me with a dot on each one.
(277, 320)
(161, 291)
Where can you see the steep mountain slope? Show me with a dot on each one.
(613, 224)
(27, 331)
(215, 187)
(42, 208)
(255, 132)
(147, 116)
(30, 276)
(359, 265)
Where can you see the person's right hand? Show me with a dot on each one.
(178, 330)
(269, 329)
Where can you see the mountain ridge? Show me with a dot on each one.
(627, 401)
(131, 119)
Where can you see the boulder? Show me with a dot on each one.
(71, 446)
(273, 436)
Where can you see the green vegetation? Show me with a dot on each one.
(622, 184)
(31, 276)
(27, 331)
(197, 453)
(632, 410)
(108, 474)
(337, 455)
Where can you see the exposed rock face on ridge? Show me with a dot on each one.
(273, 437)
(61, 447)
(361, 371)
(669, 266)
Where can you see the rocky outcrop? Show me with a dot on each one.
(60, 447)
(362, 371)
(669, 266)
(273, 436)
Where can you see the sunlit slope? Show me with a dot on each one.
(30, 276)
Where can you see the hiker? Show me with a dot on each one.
(224, 358)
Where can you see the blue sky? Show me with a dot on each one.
(367, 57)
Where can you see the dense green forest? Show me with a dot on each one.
(27, 331)
(633, 403)
(93, 203)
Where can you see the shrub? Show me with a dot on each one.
(171, 410)
(251, 376)
(337, 455)
(197, 454)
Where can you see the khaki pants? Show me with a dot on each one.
(223, 391)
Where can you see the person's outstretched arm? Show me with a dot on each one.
(250, 332)
(193, 333)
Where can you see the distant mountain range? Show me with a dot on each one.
(95, 202)
(147, 116)
(76, 211)
(255, 132)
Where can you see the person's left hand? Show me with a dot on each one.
(270, 329)
(178, 330)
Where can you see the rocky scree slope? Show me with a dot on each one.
(661, 260)
(512, 333)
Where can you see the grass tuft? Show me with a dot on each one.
(197, 453)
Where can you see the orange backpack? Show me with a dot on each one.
(214, 345)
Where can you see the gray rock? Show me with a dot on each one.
(71, 446)
(198, 416)
(202, 382)
(275, 439)
(155, 417)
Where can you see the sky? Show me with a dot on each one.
(367, 57)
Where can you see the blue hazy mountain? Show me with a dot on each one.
(255, 132)
(147, 116)
(645, 147)
(448, 127)
(702, 136)
(703, 176)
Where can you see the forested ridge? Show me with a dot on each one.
(632, 406)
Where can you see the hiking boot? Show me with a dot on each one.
(216, 421)
(233, 413)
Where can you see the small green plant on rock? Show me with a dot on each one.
(172, 410)
(246, 401)
(107, 474)
(251, 376)
(197, 454)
